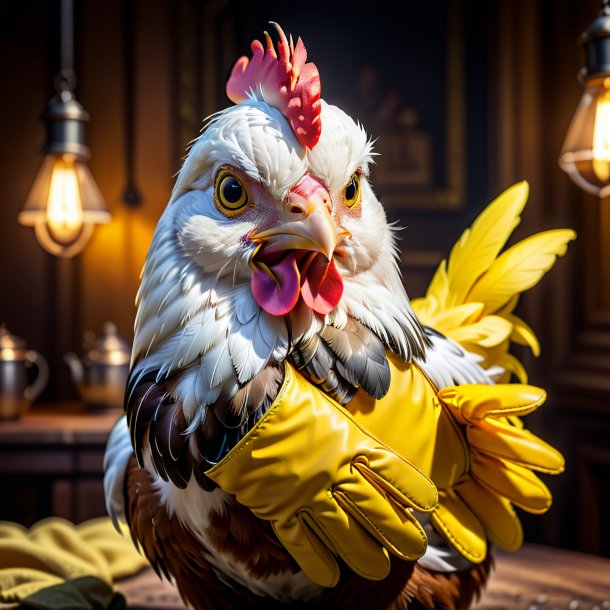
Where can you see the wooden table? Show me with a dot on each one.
(543, 578)
(535, 578)
(51, 463)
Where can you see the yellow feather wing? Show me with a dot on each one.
(472, 296)
(438, 290)
(479, 246)
(523, 334)
(519, 268)
(486, 333)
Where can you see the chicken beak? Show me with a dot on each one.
(317, 232)
(312, 226)
(294, 260)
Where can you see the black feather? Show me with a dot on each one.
(341, 360)
(168, 443)
(152, 415)
(368, 364)
(321, 363)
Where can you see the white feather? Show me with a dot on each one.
(337, 318)
(448, 364)
(245, 305)
(216, 365)
(117, 455)
(248, 348)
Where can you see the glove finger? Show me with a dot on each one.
(476, 401)
(392, 474)
(460, 526)
(502, 440)
(519, 485)
(382, 516)
(310, 549)
(495, 513)
(352, 540)
(516, 421)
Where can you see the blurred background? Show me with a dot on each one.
(465, 98)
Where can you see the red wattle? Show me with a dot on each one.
(322, 287)
(276, 289)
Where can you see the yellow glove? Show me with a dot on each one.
(327, 486)
(502, 458)
(465, 439)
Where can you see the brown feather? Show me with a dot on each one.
(235, 532)
(249, 541)
(256, 393)
(409, 586)
(173, 550)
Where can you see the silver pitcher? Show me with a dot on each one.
(16, 395)
(101, 376)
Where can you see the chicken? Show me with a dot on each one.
(274, 260)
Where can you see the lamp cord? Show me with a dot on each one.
(132, 196)
(65, 81)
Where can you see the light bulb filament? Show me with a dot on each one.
(65, 210)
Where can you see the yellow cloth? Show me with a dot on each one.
(55, 551)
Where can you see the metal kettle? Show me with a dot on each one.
(16, 395)
(101, 376)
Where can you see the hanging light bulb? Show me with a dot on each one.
(64, 203)
(585, 155)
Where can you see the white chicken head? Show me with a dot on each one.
(272, 219)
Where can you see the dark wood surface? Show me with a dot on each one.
(65, 423)
(51, 463)
(544, 578)
(535, 578)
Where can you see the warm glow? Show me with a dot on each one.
(601, 138)
(64, 205)
(64, 209)
(585, 156)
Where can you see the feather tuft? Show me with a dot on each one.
(479, 245)
(520, 268)
(472, 298)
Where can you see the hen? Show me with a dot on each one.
(272, 268)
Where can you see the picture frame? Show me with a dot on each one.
(386, 84)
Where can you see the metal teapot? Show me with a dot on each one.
(101, 376)
(16, 395)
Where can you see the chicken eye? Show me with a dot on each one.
(351, 195)
(230, 195)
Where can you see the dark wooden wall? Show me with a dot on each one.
(537, 92)
(517, 76)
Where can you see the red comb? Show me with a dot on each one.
(287, 82)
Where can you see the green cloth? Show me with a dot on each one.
(57, 564)
(85, 593)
